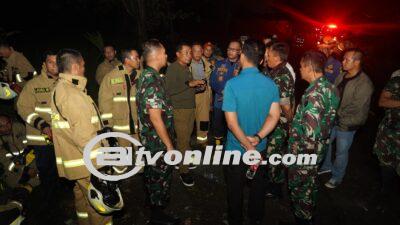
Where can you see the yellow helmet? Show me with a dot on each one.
(6, 92)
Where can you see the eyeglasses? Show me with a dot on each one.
(233, 50)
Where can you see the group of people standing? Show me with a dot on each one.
(245, 101)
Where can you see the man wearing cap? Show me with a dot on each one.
(209, 55)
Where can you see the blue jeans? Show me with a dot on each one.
(344, 139)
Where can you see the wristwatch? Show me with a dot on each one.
(258, 136)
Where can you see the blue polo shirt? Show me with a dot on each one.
(250, 95)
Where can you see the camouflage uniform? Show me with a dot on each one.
(151, 95)
(387, 145)
(278, 138)
(309, 134)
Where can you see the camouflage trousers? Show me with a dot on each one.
(157, 180)
(303, 190)
(277, 144)
(387, 145)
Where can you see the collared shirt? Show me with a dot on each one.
(198, 70)
(250, 95)
(176, 81)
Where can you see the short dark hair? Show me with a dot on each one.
(4, 43)
(282, 49)
(253, 50)
(316, 59)
(109, 45)
(179, 47)
(269, 44)
(125, 54)
(48, 53)
(150, 46)
(237, 41)
(67, 57)
(358, 54)
(197, 43)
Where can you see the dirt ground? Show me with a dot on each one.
(357, 201)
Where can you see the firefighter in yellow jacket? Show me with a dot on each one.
(34, 107)
(75, 122)
(109, 63)
(117, 93)
(201, 70)
(18, 67)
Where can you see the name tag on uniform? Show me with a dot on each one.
(118, 80)
(41, 90)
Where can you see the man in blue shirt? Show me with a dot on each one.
(251, 106)
(224, 71)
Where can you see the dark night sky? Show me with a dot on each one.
(76, 16)
(58, 24)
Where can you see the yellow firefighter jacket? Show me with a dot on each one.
(34, 107)
(104, 68)
(75, 122)
(117, 100)
(17, 63)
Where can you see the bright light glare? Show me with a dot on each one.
(332, 26)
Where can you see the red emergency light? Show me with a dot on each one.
(332, 26)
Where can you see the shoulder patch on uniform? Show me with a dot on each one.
(121, 67)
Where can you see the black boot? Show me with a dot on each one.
(158, 217)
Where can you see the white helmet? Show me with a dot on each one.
(104, 196)
(6, 92)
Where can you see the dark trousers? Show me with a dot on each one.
(235, 181)
(46, 164)
(219, 123)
